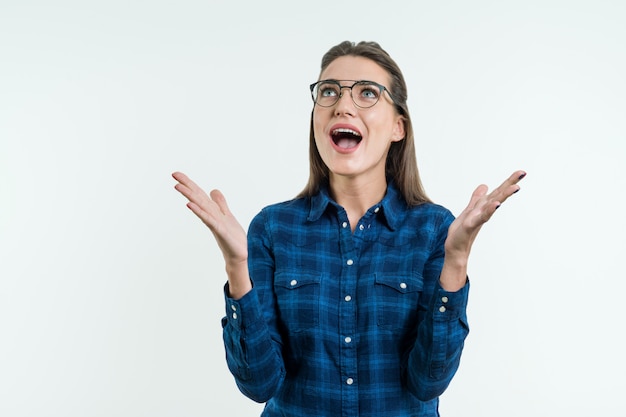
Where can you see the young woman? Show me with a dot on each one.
(350, 299)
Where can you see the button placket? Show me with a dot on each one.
(348, 256)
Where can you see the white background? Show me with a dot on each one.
(111, 290)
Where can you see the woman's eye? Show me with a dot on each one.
(327, 91)
(369, 91)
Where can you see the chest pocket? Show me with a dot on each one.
(397, 299)
(298, 299)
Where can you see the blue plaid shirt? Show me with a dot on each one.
(341, 323)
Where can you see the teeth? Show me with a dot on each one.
(344, 130)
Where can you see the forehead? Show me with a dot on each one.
(355, 68)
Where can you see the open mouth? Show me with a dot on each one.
(346, 138)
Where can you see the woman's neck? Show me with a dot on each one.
(356, 196)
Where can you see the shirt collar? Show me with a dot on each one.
(391, 207)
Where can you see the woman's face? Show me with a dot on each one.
(352, 141)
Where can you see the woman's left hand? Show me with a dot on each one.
(464, 229)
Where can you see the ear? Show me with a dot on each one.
(399, 133)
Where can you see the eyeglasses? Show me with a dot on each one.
(364, 94)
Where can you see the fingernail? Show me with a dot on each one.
(498, 206)
(521, 176)
(516, 191)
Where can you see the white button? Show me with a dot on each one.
(349, 381)
(234, 316)
(442, 309)
(344, 224)
(403, 285)
(348, 339)
(444, 299)
(293, 282)
(361, 227)
(233, 307)
(377, 209)
(350, 262)
(347, 298)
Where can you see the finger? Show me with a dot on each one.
(478, 193)
(220, 200)
(206, 216)
(197, 210)
(185, 180)
(178, 175)
(190, 189)
(182, 185)
(518, 176)
(485, 207)
(508, 187)
(514, 178)
(184, 190)
(474, 214)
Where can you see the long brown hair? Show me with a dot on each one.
(401, 164)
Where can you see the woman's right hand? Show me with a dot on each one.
(230, 236)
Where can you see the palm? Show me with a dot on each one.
(464, 229)
(214, 212)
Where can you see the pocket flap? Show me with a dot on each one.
(294, 280)
(401, 283)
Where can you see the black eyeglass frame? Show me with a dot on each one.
(381, 89)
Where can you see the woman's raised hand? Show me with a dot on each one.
(482, 206)
(213, 211)
(464, 229)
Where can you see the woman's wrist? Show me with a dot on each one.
(239, 283)
(453, 273)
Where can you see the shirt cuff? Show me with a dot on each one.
(243, 312)
(448, 306)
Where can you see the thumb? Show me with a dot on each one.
(220, 200)
(478, 193)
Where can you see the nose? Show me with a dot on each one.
(345, 104)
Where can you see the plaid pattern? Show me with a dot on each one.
(343, 324)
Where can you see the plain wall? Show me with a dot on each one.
(111, 290)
